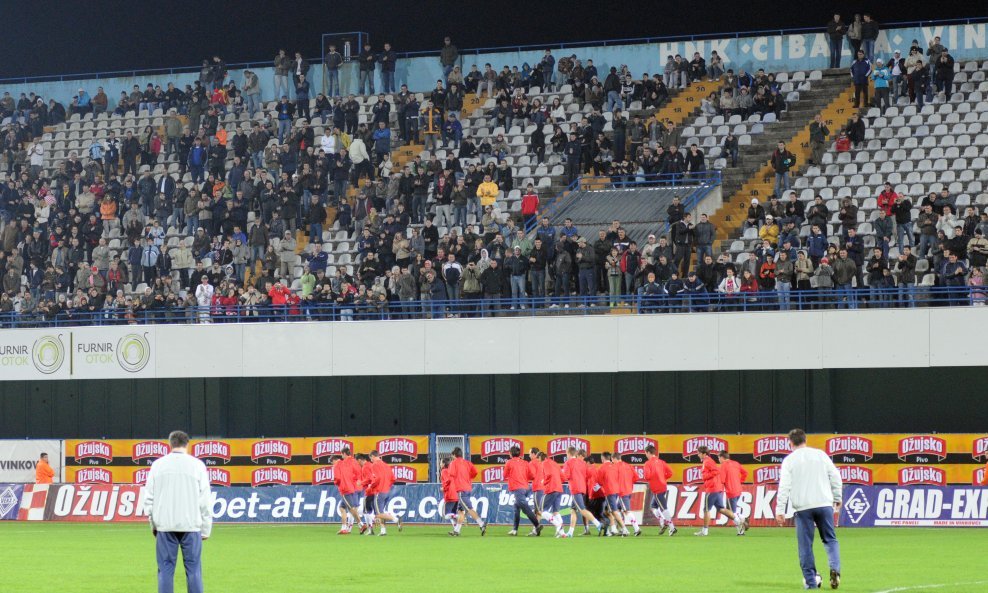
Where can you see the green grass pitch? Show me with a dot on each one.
(86, 558)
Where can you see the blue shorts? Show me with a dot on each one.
(381, 502)
(550, 502)
(613, 502)
(464, 500)
(351, 501)
(579, 502)
(539, 498)
(715, 501)
(626, 503)
(733, 503)
(659, 500)
(369, 504)
(449, 508)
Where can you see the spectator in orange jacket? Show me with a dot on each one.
(43, 473)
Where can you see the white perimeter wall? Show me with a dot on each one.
(603, 343)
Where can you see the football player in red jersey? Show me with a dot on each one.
(346, 476)
(366, 479)
(626, 484)
(657, 474)
(733, 475)
(518, 473)
(451, 499)
(609, 480)
(462, 472)
(575, 473)
(553, 481)
(382, 480)
(713, 488)
(595, 495)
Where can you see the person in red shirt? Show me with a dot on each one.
(518, 473)
(713, 488)
(732, 474)
(382, 480)
(346, 476)
(657, 474)
(626, 485)
(530, 206)
(595, 495)
(451, 500)
(575, 473)
(553, 481)
(462, 472)
(538, 490)
(609, 480)
(366, 477)
(886, 199)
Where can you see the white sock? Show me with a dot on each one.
(456, 527)
(612, 529)
(383, 529)
(452, 519)
(668, 517)
(596, 523)
(633, 520)
(658, 515)
(349, 520)
(546, 516)
(737, 519)
(557, 521)
(704, 531)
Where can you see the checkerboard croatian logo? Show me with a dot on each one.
(856, 506)
(8, 500)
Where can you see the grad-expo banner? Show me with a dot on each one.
(863, 459)
(239, 462)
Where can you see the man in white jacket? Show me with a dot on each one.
(811, 482)
(178, 503)
(204, 298)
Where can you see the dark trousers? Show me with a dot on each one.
(522, 506)
(166, 550)
(859, 91)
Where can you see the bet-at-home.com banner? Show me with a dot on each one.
(77, 353)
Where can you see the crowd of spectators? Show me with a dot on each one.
(75, 239)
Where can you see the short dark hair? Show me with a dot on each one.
(515, 451)
(177, 439)
(650, 449)
(44, 454)
(457, 452)
(797, 436)
(725, 455)
(606, 456)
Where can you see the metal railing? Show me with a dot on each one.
(697, 184)
(477, 306)
(479, 50)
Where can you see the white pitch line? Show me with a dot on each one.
(940, 586)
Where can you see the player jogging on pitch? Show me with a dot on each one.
(733, 475)
(575, 473)
(626, 485)
(517, 473)
(451, 500)
(607, 477)
(810, 481)
(346, 476)
(713, 488)
(462, 473)
(553, 485)
(657, 474)
(382, 479)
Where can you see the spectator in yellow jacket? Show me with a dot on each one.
(769, 231)
(487, 192)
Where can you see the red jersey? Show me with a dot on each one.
(346, 475)
(383, 477)
(517, 473)
(537, 475)
(575, 472)
(626, 478)
(449, 493)
(608, 478)
(657, 474)
(732, 475)
(711, 476)
(367, 478)
(462, 472)
(553, 477)
(592, 487)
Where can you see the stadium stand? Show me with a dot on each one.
(205, 202)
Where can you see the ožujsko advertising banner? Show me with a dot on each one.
(19, 458)
(109, 352)
(864, 459)
(253, 462)
(414, 503)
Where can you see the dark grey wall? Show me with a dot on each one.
(865, 400)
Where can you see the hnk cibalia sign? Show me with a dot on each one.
(84, 353)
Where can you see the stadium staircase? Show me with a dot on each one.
(754, 177)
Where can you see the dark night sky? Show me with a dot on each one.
(46, 37)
